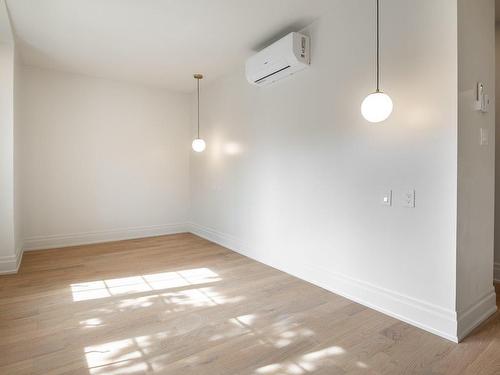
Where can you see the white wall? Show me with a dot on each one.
(293, 175)
(101, 160)
(476, 164)
(9, 255)
(7, 246)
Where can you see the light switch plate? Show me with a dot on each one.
(387, 198)
(482, 101)
(409, 198)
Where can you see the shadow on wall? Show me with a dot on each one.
(280, 33)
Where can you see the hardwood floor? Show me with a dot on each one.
(182, 305)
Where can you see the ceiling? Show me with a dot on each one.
(159, 42)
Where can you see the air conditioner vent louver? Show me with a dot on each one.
(271, 74)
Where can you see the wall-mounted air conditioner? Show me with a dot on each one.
(285, 57)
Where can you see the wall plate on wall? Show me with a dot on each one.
(409, 198)
(483, 136)
(386, 198)
(482, 101)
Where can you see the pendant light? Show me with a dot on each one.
(377, 106)
(198, 144)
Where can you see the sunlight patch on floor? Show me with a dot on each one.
(144, 283)
(307, 363)
(117, 357)
(91, 323)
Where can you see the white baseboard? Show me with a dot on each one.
(432, 318)
(476, 314)
(496, 275)
(10, 264)
(55, 241)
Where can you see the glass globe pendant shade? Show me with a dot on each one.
(198, 145)
(376, 107)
